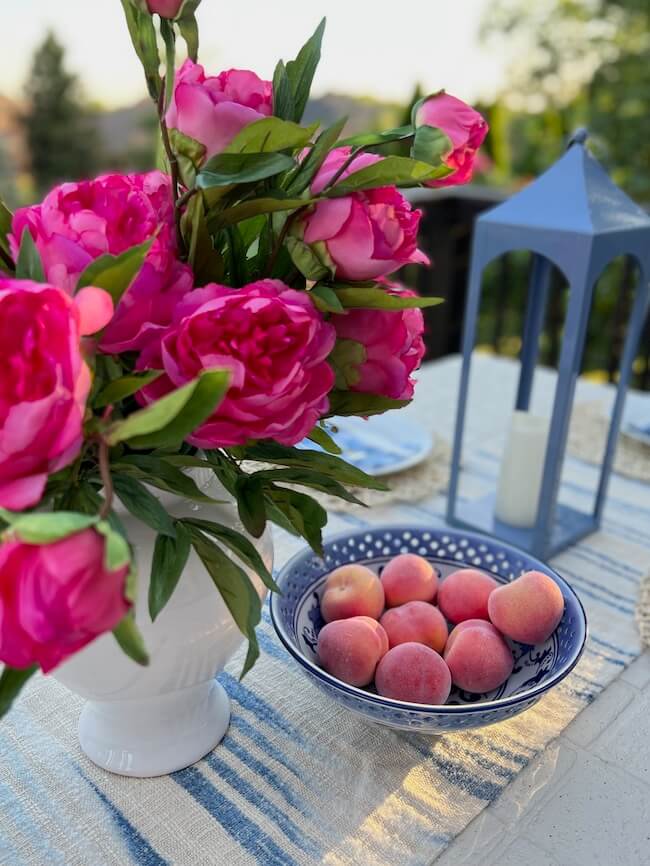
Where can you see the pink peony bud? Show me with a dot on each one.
(55, 598)
(212, 109)
(366, 234)
(462, 125)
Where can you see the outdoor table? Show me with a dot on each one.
(299, 780)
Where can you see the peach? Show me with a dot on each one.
(464, 594)
(413, 672)
(478, 657)
(409, 577)
(349, 649)
(416, 622)
(529, 609)
(352, 590)
(470, 623)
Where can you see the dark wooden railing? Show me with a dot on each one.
(445, 234)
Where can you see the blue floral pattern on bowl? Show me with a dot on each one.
(297, 621)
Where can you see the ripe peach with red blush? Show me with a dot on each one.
(352, 590)
(464, 594)
(409, 577)
(349, 649)
(416, 622)
(478, 657)
(413, 672)
(528, 609)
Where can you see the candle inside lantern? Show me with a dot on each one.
(522, 469)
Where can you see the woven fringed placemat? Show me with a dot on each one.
(588, 438)
(643, 610)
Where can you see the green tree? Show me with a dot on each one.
(579, 62)
(61, 138)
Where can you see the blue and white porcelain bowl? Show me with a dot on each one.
(297, 621)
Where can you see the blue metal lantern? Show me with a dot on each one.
(573, 217)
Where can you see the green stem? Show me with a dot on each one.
(107, 480)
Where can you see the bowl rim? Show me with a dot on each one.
(479, 706)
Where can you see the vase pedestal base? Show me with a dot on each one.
(157, 735)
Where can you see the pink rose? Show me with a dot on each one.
(44, 383)
(78, 222)
(55, 598)
(212, 109)
(365, 234)
(273, 341)
(385, 347)
(464, 127)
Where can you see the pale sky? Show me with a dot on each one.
(372, 47)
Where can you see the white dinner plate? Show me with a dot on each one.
(381, 444)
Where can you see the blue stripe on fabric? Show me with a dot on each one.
(271, 648)
(601, 655)
(628, 572)
(598, 586)
(258, 706)
(257, 799)
(139, 848)
(583, 591)
(247, 758)
(238, 826)
(269, 748)
(13, 808)
(630, 653)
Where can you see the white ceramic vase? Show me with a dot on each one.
(150, 721)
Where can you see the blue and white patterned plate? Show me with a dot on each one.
(380, 444)
(297, 621)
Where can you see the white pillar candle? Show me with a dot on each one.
(522, 469)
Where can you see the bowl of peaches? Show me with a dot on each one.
(428, 629)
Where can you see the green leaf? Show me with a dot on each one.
(46, 528)
(205, 261)
(275, 515)
(143, 37)
(249, 492)
(300, 71)
(379, 298)
(226, 169)
(28, 263)
(305, 458)
(159, 472)
(390, 171)
(169, 559)
(325, 299)
(115, 273)
(11, 682)
(172, 418)
(270, 134)
(430, 144)
(236, 589)
(254, 207)
(190, 154)
(125, 386)
(142, 504)
(306, 259)
(6, 218)
(240, 546)
(190, 33)
(356, 403)
(283, 102)
(128, 636)
(315, 158)
(306, 515)
(321, 437)
(375, 139)
(117, 552)
(308, 478)
(169, 38)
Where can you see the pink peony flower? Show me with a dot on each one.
(78, 222)
(55, 598)
(212, 109)
(273, 341)
(465, 128)
(44, 383)
(384, 348)
(366, 234)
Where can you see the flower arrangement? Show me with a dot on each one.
(211, 315)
